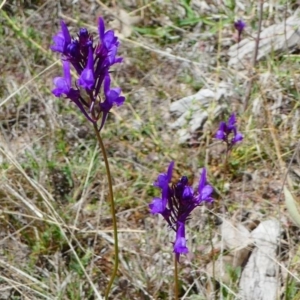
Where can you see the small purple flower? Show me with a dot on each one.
(109, 45)
(239, 25)
(205, 190)
(159, 205)
(86, 79)
(64, 84)
(62, 39)
(107, 38)
(64, 87)
(177, 202)
(112, 97)
(180, 241)
(226, 129)
(164, 179)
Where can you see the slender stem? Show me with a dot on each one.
(113, 213)
(176, 277)
(255, 54)
(214, 282)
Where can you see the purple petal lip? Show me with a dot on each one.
(62, 39)
(87, 79)
(59, 43)
(238, 137)
(63, 84)
(206, 192)
(220, 135)
(180, 242)
(157, 206)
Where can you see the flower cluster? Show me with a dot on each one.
(92, 64)
(226, 129)
(177, 202)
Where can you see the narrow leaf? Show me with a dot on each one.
(292, 206)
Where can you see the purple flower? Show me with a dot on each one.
(64, 84)
(86, 79)
(92, 64)
(239, 25)
(226, 129)
(205, 190)
(64, 87)
(107, 38)
(112, 97)
(159, 205)
(177, 202)
(164, 179)
(61, 40)
(180, 241)
(109, 45)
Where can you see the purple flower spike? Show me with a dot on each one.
(226, 129)
(177, 203)
(92, 64)
(86, 79)
(61, 40)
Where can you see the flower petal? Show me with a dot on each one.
(101, 28)
(87, 78)
(231, 121)
(202, 181)
(170, 171)
(62, 86)
(237, 138)
(62, 39)
(180, 242)
(206, 192)
(157, 206)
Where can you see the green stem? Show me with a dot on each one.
(214, 282)
(176, 277)
(113, 213)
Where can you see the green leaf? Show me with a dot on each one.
(292, 206)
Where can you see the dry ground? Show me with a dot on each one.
(55, 227)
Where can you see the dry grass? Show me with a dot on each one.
(55, 228)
